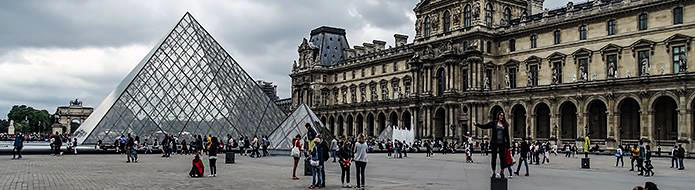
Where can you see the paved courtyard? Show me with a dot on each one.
(415, 172)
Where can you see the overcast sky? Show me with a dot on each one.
(55, 51)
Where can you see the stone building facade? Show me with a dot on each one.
(615, 70)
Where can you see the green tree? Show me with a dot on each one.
(4, 124)
(32, 120)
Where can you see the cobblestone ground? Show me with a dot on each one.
(416, 172)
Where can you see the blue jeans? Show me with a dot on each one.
(316, 175)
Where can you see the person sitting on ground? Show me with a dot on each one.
(198, 168)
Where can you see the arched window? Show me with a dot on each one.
(643, 21)
(467, 16)
(447, 21)
(507, 15)
(678, 15)
(488, 14)
(426, 26)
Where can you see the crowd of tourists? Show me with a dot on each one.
(317, 151)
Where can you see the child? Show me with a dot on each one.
(198, 167)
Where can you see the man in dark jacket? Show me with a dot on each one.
(523, 152)
(129, 148)
(499, 141)
(18, 145)
(681, 156)
(324, 156)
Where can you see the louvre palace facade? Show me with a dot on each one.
(615, 70)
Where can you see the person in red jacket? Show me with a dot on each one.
(198, 168)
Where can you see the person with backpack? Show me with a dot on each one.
(681, 156)
(674, 157)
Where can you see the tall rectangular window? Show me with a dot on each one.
(643, 20)
(534, 41)
(373, 70)
(611, 27)
(383, 68)
(533, 79)
(583, 69)
(557, 72)
(611, 65)
(679, 59)
(464, 76)
(395, 66)
(512, 45)
(556, 37)
(511, 73)
(582, 32)
(678, 15)
(643, 62)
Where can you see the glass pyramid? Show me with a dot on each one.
(296, 123)
(187, 85)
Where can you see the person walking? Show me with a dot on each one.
(134, 149)
(428, 147)
(523, 152)
(360, 161)
(345, 158)
(184, 147)
(57, 144)
(18, 145)
(619, 156)
(212, 155)
(265, 144)
(587, 143)
(634, 154)
(499, 141)
(681, 156)
(130, 143)
(334, 148)
(544, 151)
(641, 158)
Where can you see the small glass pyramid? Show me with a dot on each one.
(299, 122)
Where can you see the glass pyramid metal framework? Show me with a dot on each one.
(187, 85)
(281, 138)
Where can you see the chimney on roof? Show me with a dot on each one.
(400, 39)
(379, 45)
(359, 50)
(369, 47)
